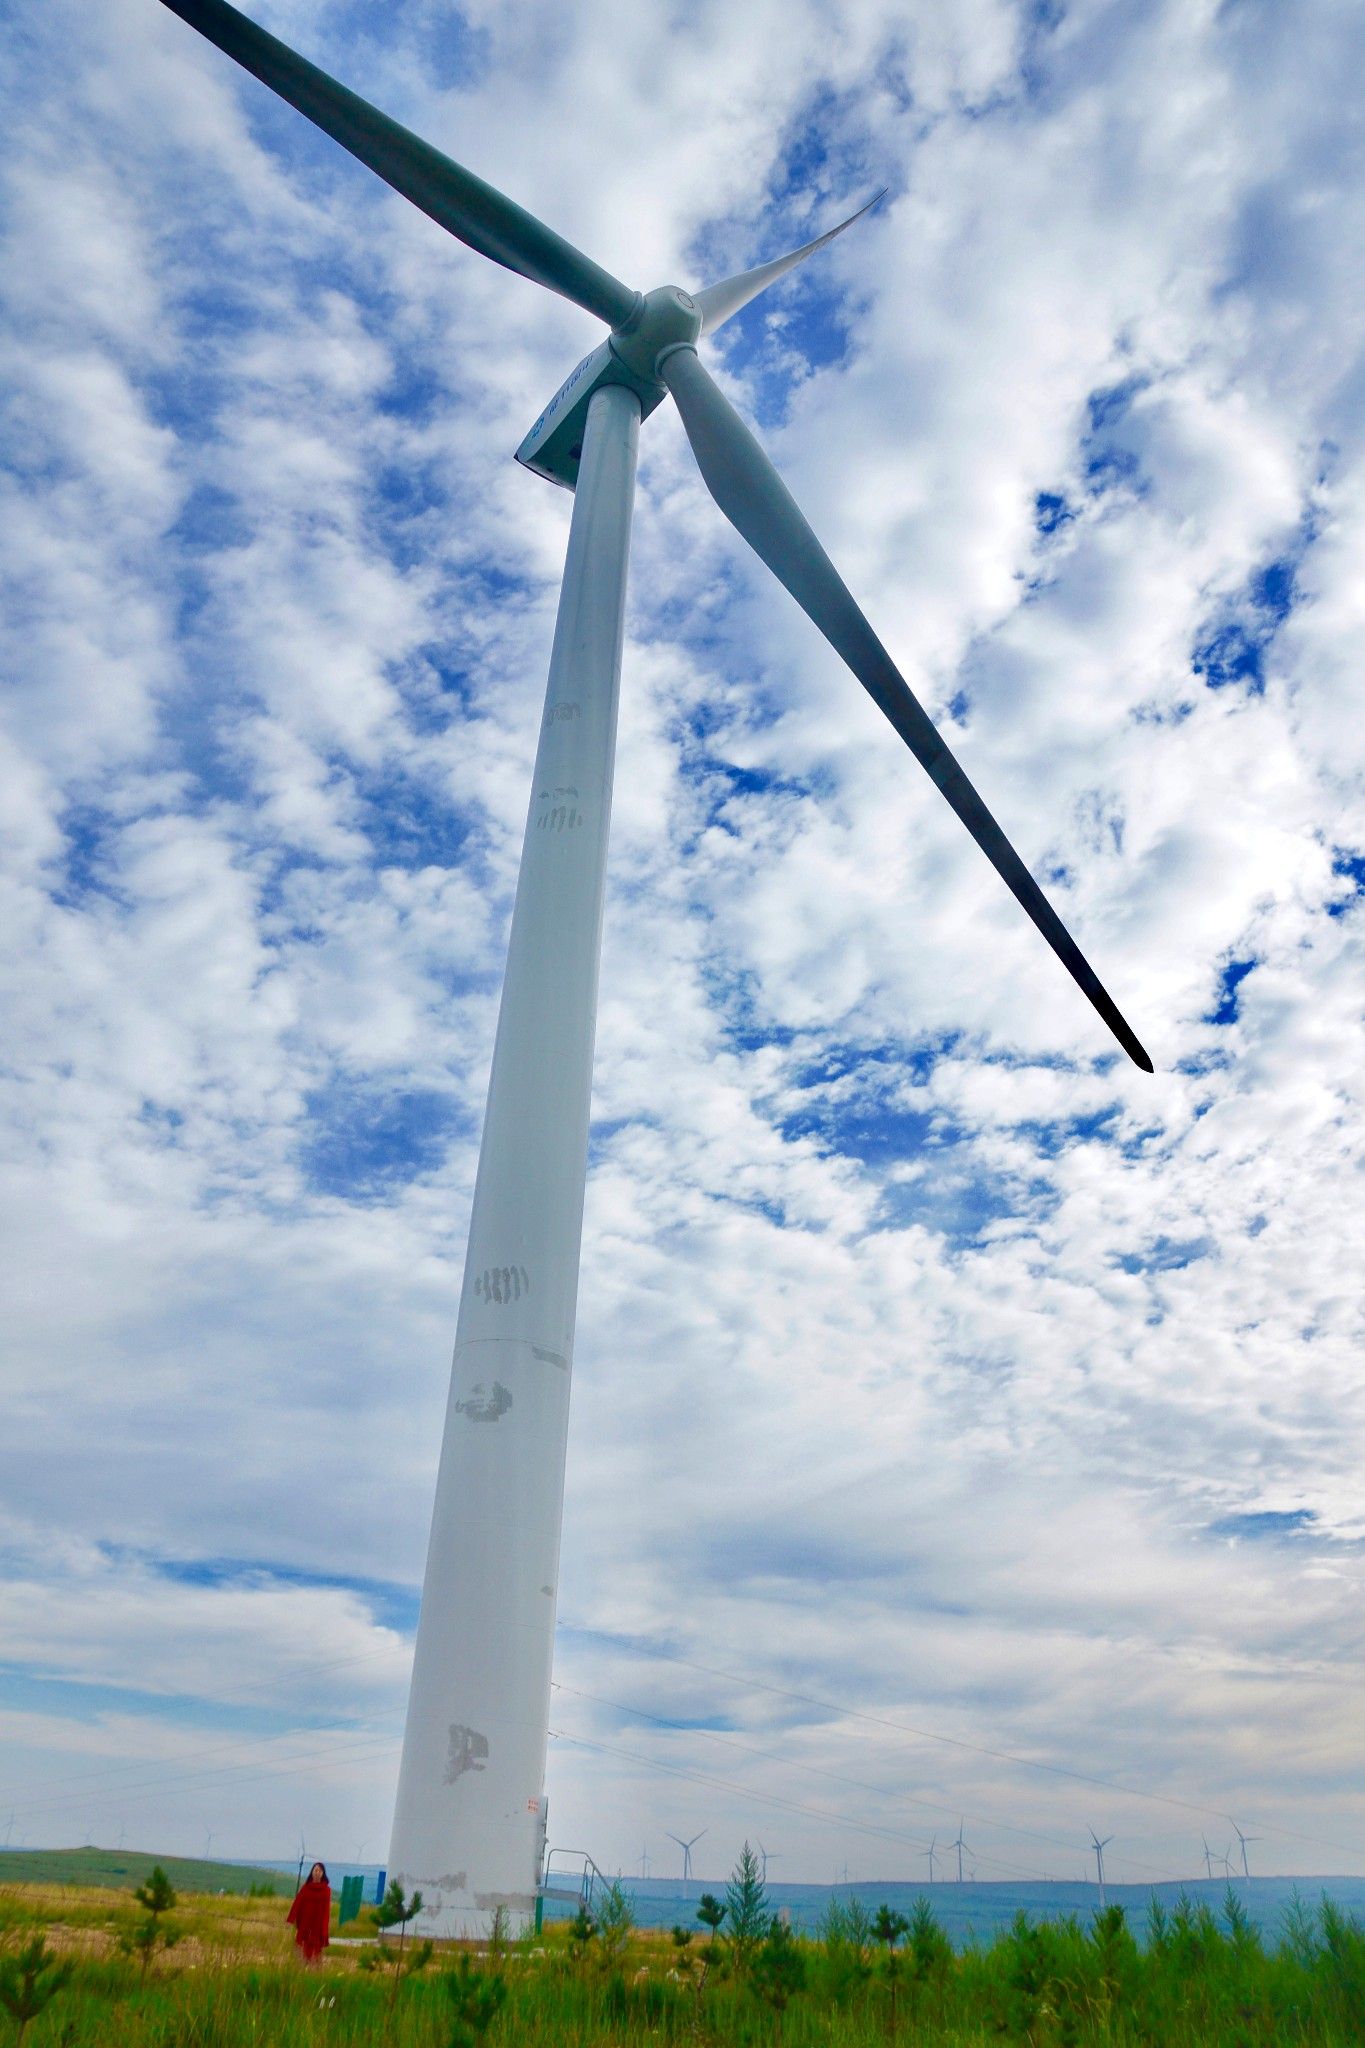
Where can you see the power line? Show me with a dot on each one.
(837, 1820)
(791, 1806)
(245, 1742)
(838, 1777)
(981, 1749)
(314, 1759)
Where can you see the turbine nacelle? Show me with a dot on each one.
(659, 322)
(665, 319)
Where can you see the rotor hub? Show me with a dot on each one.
(665, 319)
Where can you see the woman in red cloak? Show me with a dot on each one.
(311, 1913)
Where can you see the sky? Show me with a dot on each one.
(967, 1427)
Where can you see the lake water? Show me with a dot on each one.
(977, 1912)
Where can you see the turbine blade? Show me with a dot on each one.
(719, 301)
(461, 203)
(758, 504)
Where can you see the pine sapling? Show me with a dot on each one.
(778, 1969)
(476, 1999)
(396, 1911)
(153, 1930)
(582, 1933)
(890, 1928)
(29, 1980)
(710, 1912)
(615, 1925)
(746, 1902)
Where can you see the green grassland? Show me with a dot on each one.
(122, 1869)
(1195, 1980)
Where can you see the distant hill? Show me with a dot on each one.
(123, 1869)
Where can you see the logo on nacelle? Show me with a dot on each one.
(571, 383)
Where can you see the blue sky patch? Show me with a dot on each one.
(958, 1202)
(1051, 512)
(362, 1142)
(1267, 1524)
(89, 857)
(77, 1699)
(408, 823)
(1167, 1254)
(1109, 458)
(1233, 648)
(1347, 867)
(1227, 1008)
(391, 1604)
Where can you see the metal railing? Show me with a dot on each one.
(577, 1883)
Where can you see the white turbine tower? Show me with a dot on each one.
(470, 1824)
(959, 1845)
(930, 1852)
(1100, 1847)
(687, 1848)
(1242, 1841)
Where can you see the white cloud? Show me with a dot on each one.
(930, 1363)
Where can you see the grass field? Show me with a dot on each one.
(231, 1982)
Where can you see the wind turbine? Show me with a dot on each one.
(470, 1822)
(687, 1848)
(929, 1852)
(1243, 1840)
(765, 1859)
(959, 1845)
(1208, 1857)
(1100, 1847)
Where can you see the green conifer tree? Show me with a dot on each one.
(746, 1904)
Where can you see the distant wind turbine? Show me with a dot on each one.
(1243, 1840)
(687, 1848)
(1100, 1847)
(765, 1859)
(959, 1845)
(1208, 1857)
(471, 1781)
(929, 1852)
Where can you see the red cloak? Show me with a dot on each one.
(309, 1916)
